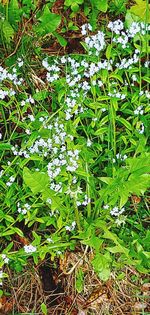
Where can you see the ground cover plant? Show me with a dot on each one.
(74, 149)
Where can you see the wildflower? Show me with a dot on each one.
(5, 258)
(24, 209)
(85, 28)
(139, 110)
(89, 143)
(31, 117)
(49, 201)
(121, 220)
(106, 207)
(116, 211)
(29, 249)
(50, 240)
(28, 132)
(10, 182)
(20, 62)
(116, 26)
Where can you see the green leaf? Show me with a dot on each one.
(101, 264)
(75, 7)
(62, 41)
(44, 309)
(36, 181)
(5, 146)
(116, 76)
(101, 5)
(37, 238)
(108, 51)
(8, 31)
(79, 283)
(147, 79)
(100, 131)
(13, 12)
(141, 9)
(49, 22)
(130, 18)
(124, 122)
(41, 95)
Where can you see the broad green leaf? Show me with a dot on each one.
(49, 22)
(36, 181)
(8, 31)
(141, 9)
(101, 264)
(107, 180)
(37, 238)
(101, 5)
(130, 18)
(115, 239)
(147, 79)
(13, 12)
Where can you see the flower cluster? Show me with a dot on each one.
(13, 77)
(85, 28)
(95, 43)
(72, 227)
(139, 110)
(116, 211)
(116, 26)
(120, 157)
(29, 249)
(11, 181)
(23, 210)
(5, 258)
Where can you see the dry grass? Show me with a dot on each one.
(25, 292)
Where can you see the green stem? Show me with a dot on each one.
(77, 214)
(88, 193)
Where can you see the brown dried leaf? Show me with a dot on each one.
(136, 199)
(6, 306)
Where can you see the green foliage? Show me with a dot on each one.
(142, 10)
(134, 179)
(101, 264)
(100, 5)
(49, 22)
(75, 159)
(79, 284)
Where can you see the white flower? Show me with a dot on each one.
(31, 117)
(49, 240)
(49, 201)
(20, 62)
(116, 26)
(116, 211)
(106, 207)
(5, 258)
(28, 132)
(1, 274)
(29, 249)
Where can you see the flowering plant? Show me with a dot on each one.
(74, 150)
